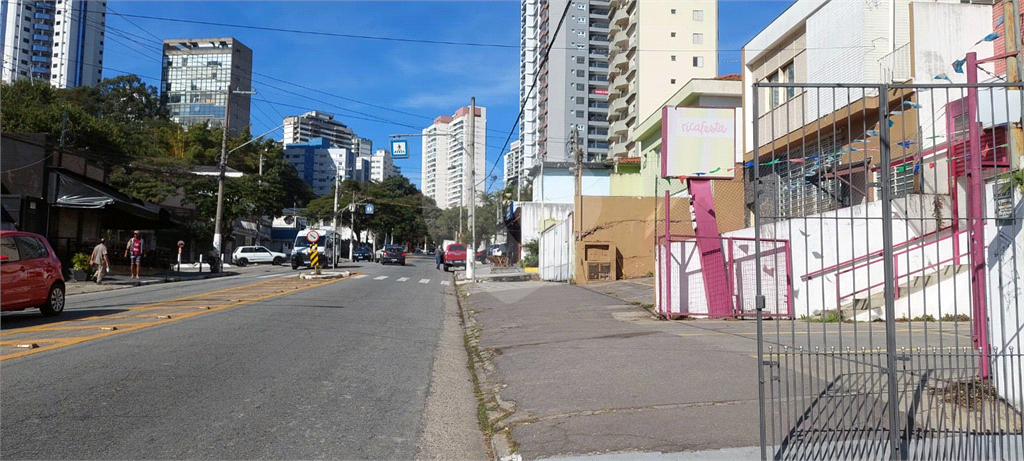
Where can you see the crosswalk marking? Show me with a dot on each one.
(381, 277)
(360, 276)
(402, 279)
(424, 280)
(445, 282)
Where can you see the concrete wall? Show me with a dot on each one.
(1005, 295)
(630, 224)
(558, 185)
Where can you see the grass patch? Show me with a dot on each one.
(825, 317)
(956, 318)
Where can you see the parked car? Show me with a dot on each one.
(454, 255)
(377, 254)
(498, 249)
(30, 274)
(393, 254)
(362, 254)
(244, 255)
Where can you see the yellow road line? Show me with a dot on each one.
(77, 340)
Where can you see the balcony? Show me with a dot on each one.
(40, 26)
(618, 128)
(620, 61)
(618, 107)
(620, 83)
(620, 18)
(43, 16)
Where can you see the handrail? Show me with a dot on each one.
(820, 272)
(839, 301)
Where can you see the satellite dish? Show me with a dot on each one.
(289, 219)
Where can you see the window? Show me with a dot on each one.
(698, 15)
(31, 247)
(698, 39)
(673, 57)
(580, 59)
(673, 11)
(673, 34)
(673, 81)
(774, 99)
(789, 74)
(698, 61)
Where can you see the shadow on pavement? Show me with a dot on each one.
(32, 317)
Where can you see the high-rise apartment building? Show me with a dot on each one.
(445, 160)
(318, 124)
(320, 164)
(382, 166)
(514, 164)
(655, 49)
(60, 42)
(571, 88)
(362, 147)
(205, 80)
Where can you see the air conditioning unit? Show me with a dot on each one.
(599, 261)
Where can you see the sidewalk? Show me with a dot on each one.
(148, 277)
(578, 372)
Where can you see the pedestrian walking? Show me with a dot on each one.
(134, 252)
(439, 257)
(100, 260)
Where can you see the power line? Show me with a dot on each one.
(327, 34)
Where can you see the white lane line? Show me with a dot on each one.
(360, 276)
(445, 282)
(381, 277)
(402, 279)
(424, 280)
(274, 275)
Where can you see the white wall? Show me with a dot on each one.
(533, 213)
(1005, 281)
(559, 186)
(814, 245)
(556, 252)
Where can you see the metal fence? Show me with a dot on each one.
(904, 221)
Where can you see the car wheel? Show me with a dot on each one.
(277, 261)
(54, 301)
(241, 262)
(295, 265)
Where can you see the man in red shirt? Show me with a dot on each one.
(134, 251)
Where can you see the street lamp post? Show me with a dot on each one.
(222, 175)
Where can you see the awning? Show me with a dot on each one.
(70, 190)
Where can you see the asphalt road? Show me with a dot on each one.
(339, 371)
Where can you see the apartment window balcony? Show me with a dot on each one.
(43, 16)
(44, 49)
(41, 26)
(44, 5)
(594, 64)
(620, 18)
(598, 51)
(41, 38)
(40, 59)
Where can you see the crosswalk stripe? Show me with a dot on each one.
(381, 277)
(446, 283)
(402, 279)
(424, 280)
(360, 276)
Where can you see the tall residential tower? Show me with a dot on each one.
(59, 42)
(445, 173)
(569, 90)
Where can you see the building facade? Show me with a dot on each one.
(205, 80)
(445, 163)
(569, 90)
(382, 166)
(362, 147)
(320, 164)
(56, 42)
(316, 124)
(655, 49)
(514, 164)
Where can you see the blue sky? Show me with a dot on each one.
(380, 67)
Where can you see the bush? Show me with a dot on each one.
(532, 249)
(81, 262)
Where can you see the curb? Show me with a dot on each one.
(489, 403)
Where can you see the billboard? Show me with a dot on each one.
(698, 142)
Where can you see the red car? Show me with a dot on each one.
(454, 256)
(30, 274)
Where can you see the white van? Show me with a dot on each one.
(325, 247)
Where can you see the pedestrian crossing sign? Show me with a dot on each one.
(399, 148)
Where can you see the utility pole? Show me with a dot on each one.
(471, 151)
(577, 152)
(221, 177)
(352, 231)
(334, 216)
